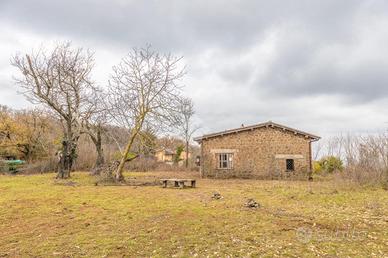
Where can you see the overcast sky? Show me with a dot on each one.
(319, 66)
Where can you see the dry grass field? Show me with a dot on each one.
(44, 217)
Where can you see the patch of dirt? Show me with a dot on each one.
(130, 183)
(66, 183)
(143, 183)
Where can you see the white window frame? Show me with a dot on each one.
(225, 160)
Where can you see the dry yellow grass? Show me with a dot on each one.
(40, 216)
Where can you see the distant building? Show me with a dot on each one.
(266, 150)
(168, 156)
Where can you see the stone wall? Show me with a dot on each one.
(257, 153)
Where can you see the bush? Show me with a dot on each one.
(41, 166)
(363, 175)
(142, 164)
(177, 156)
(330, 164)
(317, 168)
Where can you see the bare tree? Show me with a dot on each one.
(185, 124)
(144, 92)
(318, 146)
(60, 80)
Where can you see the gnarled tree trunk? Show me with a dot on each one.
(100, 160)
(68, 153)
(66, 159)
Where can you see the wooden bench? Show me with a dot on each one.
(178, 182)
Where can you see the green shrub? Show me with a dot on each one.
(317, 168)
(177, 156)
(331, 164)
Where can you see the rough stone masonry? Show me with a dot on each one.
(263, 151)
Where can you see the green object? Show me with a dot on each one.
(13, 165)
(14, 162)
(177, 156)
(331, 164)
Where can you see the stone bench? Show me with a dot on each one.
(178, 182)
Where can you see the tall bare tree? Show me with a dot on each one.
(60, 80)
(144, 91)
(186, 124)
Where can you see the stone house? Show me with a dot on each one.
(267, 151)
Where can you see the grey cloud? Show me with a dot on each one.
(301, 70)
(318, 51)
(174, 24)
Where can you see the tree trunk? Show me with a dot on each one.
(119, 177)
(187, 154)
(100, 161)
(68, 155)
(65, 161)
(119, 172)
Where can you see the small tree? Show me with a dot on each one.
(185, 124)
(28, 134)
(178, 153)
(33, 138)
(10, 132)
(59, 80)
(144, 91)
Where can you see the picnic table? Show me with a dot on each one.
(178, 182)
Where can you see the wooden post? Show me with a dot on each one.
(201, 160)
(310, 173)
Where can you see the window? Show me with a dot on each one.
(225, 160)
(290, 166)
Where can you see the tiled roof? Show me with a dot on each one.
(251, 127)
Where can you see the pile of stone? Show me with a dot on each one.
(251, 203)
(217, 196)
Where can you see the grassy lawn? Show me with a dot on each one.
(40, 216)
